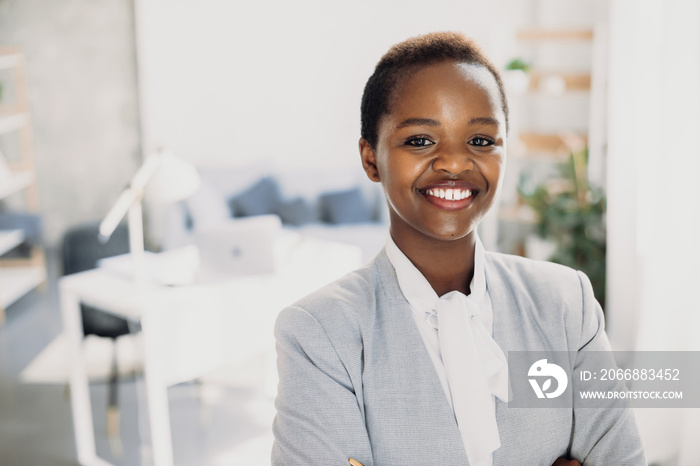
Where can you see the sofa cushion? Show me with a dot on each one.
(344, 207)
(27, 222)
(206, 208)
(260, 199)
(296, 212)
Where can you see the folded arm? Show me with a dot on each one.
(319, 419)
(601, 436)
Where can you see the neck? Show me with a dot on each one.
(447, 265)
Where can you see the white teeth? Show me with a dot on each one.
(450, 194)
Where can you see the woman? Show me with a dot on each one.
(403, 361)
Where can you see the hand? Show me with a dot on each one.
(565, 462)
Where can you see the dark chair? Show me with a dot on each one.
(80, 251)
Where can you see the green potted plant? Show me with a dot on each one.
(571, 215)
(518, 64)
(515, 75)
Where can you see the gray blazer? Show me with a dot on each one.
(356, 380)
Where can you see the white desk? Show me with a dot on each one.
(191, 330)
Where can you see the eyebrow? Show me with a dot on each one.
(484, 121)
(418, 122)
(430, 122)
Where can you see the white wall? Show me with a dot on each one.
(235, 81)
(654, 199)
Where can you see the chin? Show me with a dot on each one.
(450, 234)
(455, 229)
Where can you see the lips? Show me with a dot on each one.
(449, 194)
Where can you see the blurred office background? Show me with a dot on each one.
(262, 98)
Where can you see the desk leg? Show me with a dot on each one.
(156, 391)
(79, 385)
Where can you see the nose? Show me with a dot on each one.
(453, 160)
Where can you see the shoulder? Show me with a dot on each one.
(340, 309)
(525, 267)
(352, 291)
(541, 279)
(550, 294)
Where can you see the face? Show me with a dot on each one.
(440, 153)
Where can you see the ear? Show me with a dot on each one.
(369, 161)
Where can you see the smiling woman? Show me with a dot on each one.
(403, 361)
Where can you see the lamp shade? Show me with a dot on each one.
(173, 180)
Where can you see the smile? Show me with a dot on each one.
(449, 194)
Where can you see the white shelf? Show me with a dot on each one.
(9, 239)
(15, 183)
(9, 61)
(12, 122)
(15, 282)
(17, 277)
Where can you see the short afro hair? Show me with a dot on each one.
(407, 57)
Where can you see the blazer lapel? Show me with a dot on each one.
(413, 375)
(399, 319)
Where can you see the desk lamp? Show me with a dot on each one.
(169, 179)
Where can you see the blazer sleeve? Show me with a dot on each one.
(601, 436)
(319, 420)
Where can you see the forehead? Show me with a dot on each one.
(464, 85)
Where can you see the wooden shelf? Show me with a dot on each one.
(555, 34)
(534, 157)
(536, 144)
(18, 281)
(7, 109)
(10, 239)
(571, 81)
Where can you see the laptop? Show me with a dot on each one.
(243, 246)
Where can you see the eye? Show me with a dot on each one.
(481, 141)
(419, 141)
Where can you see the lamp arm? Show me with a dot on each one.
(116, 213)
(133, 193)
(146, 172)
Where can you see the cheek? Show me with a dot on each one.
(494, 171)
(402, 175)
(393, 169)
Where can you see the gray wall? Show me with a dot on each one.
(82, 88)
